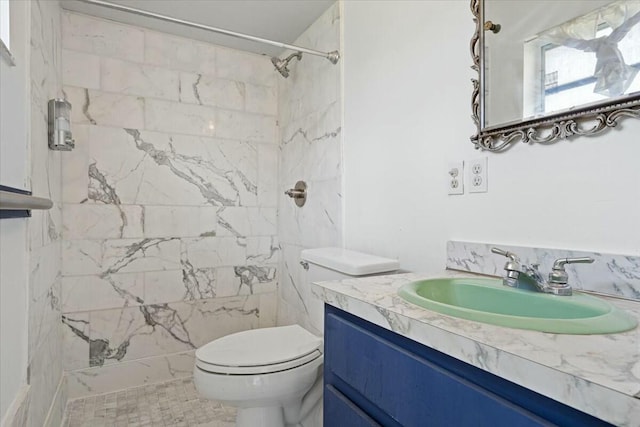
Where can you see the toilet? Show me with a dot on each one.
(273, 376)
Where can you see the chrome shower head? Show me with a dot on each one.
(282, 64)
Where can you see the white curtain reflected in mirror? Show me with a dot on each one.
(586, 60)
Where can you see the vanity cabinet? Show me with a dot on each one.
(375, 377)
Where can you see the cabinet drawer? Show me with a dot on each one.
(340, 411)
(410, 389)
(403, 383)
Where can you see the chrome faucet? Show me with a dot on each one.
(557, 282)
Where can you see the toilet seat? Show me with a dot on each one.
(255, 370)
(280, 348)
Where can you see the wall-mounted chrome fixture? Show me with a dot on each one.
(490, 26)
(282, 65)
(16, 203)
(60, 137)
(298, 193)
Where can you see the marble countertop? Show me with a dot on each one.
(597, 374)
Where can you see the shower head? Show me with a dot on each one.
(282, 64)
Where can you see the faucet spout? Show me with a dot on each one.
(535, 277)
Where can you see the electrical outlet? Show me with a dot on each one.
(477, 178)
(455, 178)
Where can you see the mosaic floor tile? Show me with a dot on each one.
(170, 404)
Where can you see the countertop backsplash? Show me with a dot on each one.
(612, 274)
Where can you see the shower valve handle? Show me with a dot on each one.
(295, 194)
(298, 193)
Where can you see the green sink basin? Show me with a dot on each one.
(489, 301)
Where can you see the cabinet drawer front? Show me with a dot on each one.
(340, 411)
(409, 388)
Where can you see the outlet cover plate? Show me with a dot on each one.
(455, 178)
(477, 175)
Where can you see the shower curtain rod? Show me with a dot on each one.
(331, 56)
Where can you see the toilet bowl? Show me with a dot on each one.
(265, 373)
(273, 376)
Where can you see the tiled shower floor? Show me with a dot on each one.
(171, 404)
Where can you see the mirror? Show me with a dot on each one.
(551, 70)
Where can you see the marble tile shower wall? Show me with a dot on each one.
(310, 150)
(47, 396)
(169, 215)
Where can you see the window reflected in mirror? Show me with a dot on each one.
(587, 60)
(554, 56)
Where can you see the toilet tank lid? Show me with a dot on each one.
(349, 262)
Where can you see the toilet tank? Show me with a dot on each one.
(339, 263)
(336, 264)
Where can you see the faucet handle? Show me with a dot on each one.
(512, 266)
(558, 275)
(510, 255)
(560, 263)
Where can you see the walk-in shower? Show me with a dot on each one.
(281, 65)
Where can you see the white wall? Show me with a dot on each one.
(14, 104)
(407, 113)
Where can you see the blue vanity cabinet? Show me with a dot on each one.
(375, 377)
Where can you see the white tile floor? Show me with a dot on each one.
(171, 404)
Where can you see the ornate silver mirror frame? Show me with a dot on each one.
(587, 120)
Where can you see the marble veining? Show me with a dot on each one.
(617, 275)
(199, 283)
(304, 134)
(99, 189)
(142, 328)
(186, 168)
(310, 148)
(295, 285)
(121, 291)
(101, 349)
(206, 89)
(96, 107)
(46, 397)
(194, 86)
(114, 377)
(261, 250)
(597, 374)
(132, 333)
(252, 275)
(133, 252)
(85, 107)
(170, 202)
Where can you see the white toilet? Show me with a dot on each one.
(274, 375)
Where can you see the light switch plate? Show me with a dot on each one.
(477, 175)
(455, 178)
